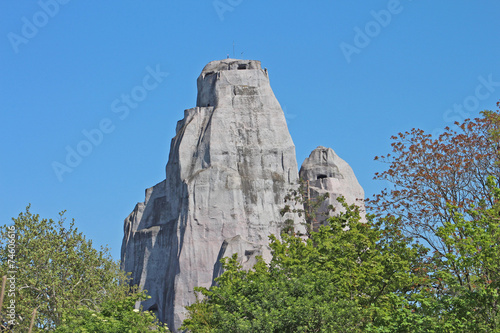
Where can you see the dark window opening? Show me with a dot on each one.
(242, 66)
(321, 177)
(154, 308)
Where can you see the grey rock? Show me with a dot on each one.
(247, 253)
(231, 163)
(325, 172)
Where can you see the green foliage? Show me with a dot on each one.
(346, 277)
(445, 195)
(467, 275)
(112, 316)
(56, 272)
(459, 288)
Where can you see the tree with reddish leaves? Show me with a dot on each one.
(429, 174)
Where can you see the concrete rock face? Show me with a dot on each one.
(231, 163)
(326, 172)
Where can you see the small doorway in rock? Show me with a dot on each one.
(242, 66)
(321, 176)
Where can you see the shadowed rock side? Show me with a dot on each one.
(328, 173)
(231, 163)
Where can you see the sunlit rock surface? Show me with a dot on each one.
(326, 172)
(231, 163)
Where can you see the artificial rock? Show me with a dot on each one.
(326, 173)
(231, 163)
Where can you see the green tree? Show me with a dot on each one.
(445, 194)
(347, 277)
(465, 282)
(429, 174)
(112, 316)
(54, 269)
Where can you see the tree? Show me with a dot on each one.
(445, 194)
(112, 316)
(54, 269)
(431, 173)
(466, 280)
(348, 277)
(460, 290)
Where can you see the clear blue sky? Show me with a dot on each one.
(349, 74)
